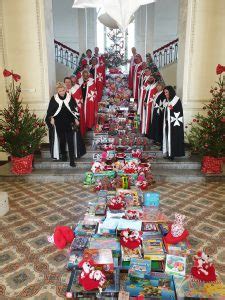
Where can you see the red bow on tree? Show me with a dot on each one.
(220, 69)
(7, 73)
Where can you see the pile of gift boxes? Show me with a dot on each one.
(126, 248)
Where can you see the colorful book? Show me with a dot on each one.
(153, 215)
(101, 242)
(189, 288)
(164, 228)
(180, 249)
(127, 254)
(150, 228)
(153, 249)
(75, 257)
(175, 265)
(102, 258)
(85, 228)
(79, 243)
(139, 268)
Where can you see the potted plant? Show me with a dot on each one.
(21, 131)
(206, 135)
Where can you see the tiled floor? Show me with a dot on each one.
(31, 268)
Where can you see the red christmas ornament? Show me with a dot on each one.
(220, 69)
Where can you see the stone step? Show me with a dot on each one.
(84, 163)
(77, 175)
(48, 163)
(90, 151)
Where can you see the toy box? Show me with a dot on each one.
(102, 258)
(110, 289)
(85, 228)
(158, 286)
(139, 268)
(151, 199)
(101, 242)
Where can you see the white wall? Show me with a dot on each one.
(166, 22)
(70, 25)
(65, 20)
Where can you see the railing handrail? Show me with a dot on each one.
(166, 46)
(66, 47)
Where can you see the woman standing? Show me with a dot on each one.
(63, 123)
(173, 125)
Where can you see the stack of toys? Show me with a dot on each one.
(125, 247)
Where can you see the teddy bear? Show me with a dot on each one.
(177, 232)
(203, 268)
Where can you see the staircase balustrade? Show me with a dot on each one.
(166, 54)
(66, 55)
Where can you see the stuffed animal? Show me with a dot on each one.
(177, 233)
(130, 238)
(89, 178)
(97, 167)
(62, 236)
(90, 278)
(203, 268)
(117, 203)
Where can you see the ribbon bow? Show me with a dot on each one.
(220, 69)
(7, 73)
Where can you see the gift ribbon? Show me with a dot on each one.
(7, 73)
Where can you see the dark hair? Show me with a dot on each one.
(88, 50)
(67, 78)
(171, 91)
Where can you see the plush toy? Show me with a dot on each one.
(203, 268)
(97, 167)
(177, 233)
(117, 203)
(137, 153)
(132, 215)
(90, 278)
(62, 236)
(141, 182)
(130, 238)
(89, 178)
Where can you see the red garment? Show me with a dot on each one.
(86, 61)
(142, 96)
(137, 69)
(90, 102)
(77, 96)
(147, 110)
(130, 77)
(99, 81)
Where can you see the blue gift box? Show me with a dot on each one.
(151, 199)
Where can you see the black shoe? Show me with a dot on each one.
(171, 158)
(72, 164)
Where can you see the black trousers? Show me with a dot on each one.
(66, 136)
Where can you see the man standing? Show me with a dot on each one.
(87, 59)
(143, 91)
(89, 95)
(130, 78)
(137, 69)
(97, 71)
(68, 83)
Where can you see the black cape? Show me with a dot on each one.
(156, 128)
(173, 129)
(79, 146)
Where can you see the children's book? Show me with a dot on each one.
(153, 249)
(85, 228)
(150, 228)
(180, 249)
(175, 265)
(75, 257)
(139, 268)
(79, 243)
(101, 242)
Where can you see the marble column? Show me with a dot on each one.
(27, 48)
(144, 29)
(202, 48)
(82, 30)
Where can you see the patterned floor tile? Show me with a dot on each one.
(34, 269)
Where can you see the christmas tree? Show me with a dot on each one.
(21, 131)
(207, 132)
(115, 53)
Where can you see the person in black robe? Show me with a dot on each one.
(63, 122)
(156, 128)
(173, 125)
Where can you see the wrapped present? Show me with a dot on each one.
(211, 165)
(151, 199)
